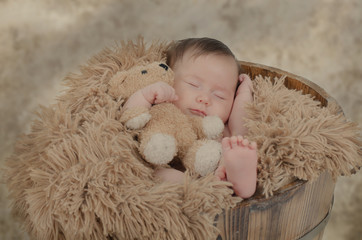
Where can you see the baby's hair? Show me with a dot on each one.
(199, 46)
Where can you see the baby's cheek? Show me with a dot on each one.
(223, 114)
(180, 105)
(227, 109)
(177, 103)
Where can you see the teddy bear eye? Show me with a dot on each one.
(144, 71)
(164, 66)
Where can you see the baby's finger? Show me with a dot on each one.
(165, 95)
(168, 95)
(242, 77)
(159, 97)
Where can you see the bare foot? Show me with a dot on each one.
(240, 161)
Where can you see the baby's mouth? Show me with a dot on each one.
(197, 112)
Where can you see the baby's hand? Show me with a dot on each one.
(246, 86)
(159, 92)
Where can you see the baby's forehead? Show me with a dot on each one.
(192, 66)
(194, 53)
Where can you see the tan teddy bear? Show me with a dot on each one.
(167, 132)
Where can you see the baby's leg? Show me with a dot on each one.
(220, 172)
(169, 175)
(240, 161)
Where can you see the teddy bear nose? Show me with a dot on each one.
(164, 66)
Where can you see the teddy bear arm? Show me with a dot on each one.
(135, 118)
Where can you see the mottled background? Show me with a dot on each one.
(42, 40)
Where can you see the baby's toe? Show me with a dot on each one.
(240, 139)
(225, 143)
(234, 141)
(253, 145)
(245, 142)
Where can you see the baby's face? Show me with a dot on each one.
(206, 85)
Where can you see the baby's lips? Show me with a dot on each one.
(198, 112)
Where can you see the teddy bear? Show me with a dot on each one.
(165, 132)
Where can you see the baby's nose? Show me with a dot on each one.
(203, 99)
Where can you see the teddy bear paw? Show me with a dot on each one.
(207, 157)
(212, 127)
(160, 149)
(138, 122)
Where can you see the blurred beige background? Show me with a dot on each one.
(42, 40)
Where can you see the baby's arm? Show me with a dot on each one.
(152, 94)
(136, 109)
(243, 96)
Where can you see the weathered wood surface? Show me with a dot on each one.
(290, 214)
(298, 208)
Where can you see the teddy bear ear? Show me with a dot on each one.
(115, 84)
(118, 78)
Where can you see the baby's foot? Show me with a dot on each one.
(240, 161)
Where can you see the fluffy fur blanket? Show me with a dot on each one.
(78, 175)
(298, 138)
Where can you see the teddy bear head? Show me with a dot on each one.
(124, 83)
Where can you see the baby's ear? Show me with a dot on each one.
(115, 84)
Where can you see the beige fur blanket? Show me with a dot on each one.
(298, 138)
(78, 175)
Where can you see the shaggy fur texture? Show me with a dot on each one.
(297, 138)
(78, 174)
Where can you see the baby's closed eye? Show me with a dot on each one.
(193, 84)
(219, 95)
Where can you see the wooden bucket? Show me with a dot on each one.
(299, 210)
